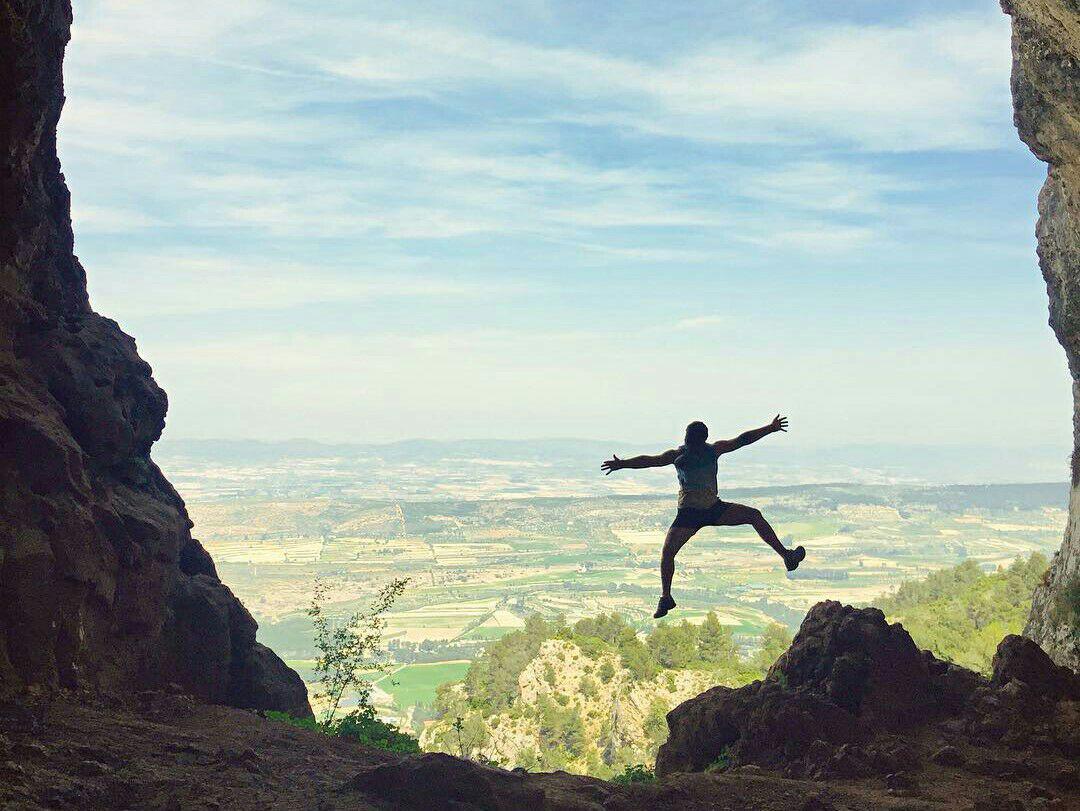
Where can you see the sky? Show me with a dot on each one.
(372, 221)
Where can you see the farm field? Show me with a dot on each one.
(478, 566)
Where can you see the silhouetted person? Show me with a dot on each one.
(699, 504)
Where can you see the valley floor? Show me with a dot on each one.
(167, 752)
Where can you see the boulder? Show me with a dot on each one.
(442, 781)
(848, 678)
(1021, 661)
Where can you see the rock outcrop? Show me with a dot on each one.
(853, 697)
(1045, 78)
(101, 584)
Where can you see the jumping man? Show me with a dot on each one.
(699, 504)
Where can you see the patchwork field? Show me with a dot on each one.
(479, 566)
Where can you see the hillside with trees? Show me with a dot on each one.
(961, 613)
(590, 697)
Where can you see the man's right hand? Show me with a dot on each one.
(614, 463)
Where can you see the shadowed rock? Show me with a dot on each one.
(442, 781)
(101, 584)
(1046, 104)
(827, 706)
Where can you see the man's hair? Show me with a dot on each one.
(696, 433)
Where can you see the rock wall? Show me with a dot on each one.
(102, 586)
(853, 697)
(1046, 100)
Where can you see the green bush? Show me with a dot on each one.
(362, 726)
(606, 672)
(365, 727)
(635, 773)
(722, 762)
(960, 614)
(1067, 602)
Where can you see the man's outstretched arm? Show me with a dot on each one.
(749, 437)
(615, 463)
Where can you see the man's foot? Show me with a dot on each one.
(665, 605)
(793, 557)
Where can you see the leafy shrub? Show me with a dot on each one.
(362, 726)
(960, 614)
(722, 762)
(635, 773)
(606, 672)
(588, 686)
(1067, 601)
(365, 727)
(349, 648)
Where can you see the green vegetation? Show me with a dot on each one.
(1067, 602)
(635, 773)
(349, 651)
(596, 694)
(361, 725)
(775, 640)
(491, 682)
(722, 762)
(961, 613)
(416, 685)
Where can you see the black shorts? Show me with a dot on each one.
(697, 517)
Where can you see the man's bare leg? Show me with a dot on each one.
(740, 514)
(675, 540)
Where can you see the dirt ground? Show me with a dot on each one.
(168, 752)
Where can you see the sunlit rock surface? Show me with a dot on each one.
(1046, 100)
(101, 583)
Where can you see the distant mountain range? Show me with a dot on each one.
(871, 463)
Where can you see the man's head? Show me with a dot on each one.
(696, 433)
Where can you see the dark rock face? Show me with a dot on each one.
(1045, 77)
(441, 781)
(851, 694)
(1018, 659)
(101, 584)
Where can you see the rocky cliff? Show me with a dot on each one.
(854, 698)
(101, 584)
(1046, 99)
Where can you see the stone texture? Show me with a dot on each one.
(101, 584)
(853, 697)
(1045, 78)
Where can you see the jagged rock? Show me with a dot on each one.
(848, 676)
(1045, 75)
(441, 781)
(948, 756)
(902, 784)
(101, 584)
(1020, 661)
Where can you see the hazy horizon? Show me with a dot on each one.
(570, 465)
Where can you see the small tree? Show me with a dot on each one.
(349, 649)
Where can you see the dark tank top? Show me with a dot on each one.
(696, 467)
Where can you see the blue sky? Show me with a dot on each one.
(355, 221)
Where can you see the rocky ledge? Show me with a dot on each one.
(852, 717)
(854, 698)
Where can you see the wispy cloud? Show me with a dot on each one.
(174, 284)
(515, 196)
(700, 322)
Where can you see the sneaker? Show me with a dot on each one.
(665, 605)
(793, 557)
